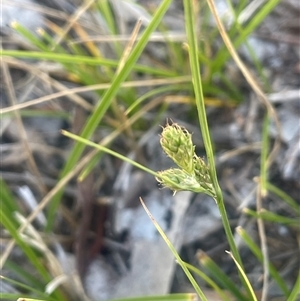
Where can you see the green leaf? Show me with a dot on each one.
(258, 254)
(272, 217)
(220, 277)
(295, 293)
(80, 59)
(249, 288)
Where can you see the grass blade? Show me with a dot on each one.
(258, 254)
(209, 281)
(196, 74)
(296, 291)
(249, 286)
(285, 197)
(219, 276)
(272, 217)
(223, 55)
(176, 255)
(31, 255)
(37, 292)
(27, 278)
(81, 59)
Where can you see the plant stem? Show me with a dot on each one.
(196, 75)
(227, 228)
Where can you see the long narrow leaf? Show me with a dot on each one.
(36, 292)
(176, 255)
(295, 293)
(258, 254)
(195, 69)
(272, 217)
(80, 59)
(249, 286)
(31, 255)
(8, 204)
(219, 276)
(27, 277)
(223, 55)
(285, 197)
(209, 281)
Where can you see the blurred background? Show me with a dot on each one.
(88, 236)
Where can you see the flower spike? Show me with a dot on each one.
(193, 174)
(177, 144)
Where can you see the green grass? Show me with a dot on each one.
(87, 66)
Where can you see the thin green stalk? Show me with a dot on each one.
(220, 277)
(82, 59)
(86, 142)
(117, 155)
(227, 228)
(195, 69)
(272, 217)
(222, 56)
(255, 249)
(37, 292)
(285, 197)
(29, 252)
(261, 194)
(249, 288)
(26, 277)
(33, 39)
(106, 11)
(209, 281)
(295, 293)
(153, 93)
(264, 156)
(176, 255)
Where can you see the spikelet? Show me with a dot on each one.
(193, 174)
(177, 144)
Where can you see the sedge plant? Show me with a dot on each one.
(193, 173)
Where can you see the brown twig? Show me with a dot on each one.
(21, 129)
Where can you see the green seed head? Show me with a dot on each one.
(178, 180)
(193, 174)
(202, 175)
(177, 144)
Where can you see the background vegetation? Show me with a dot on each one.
(135, 91)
